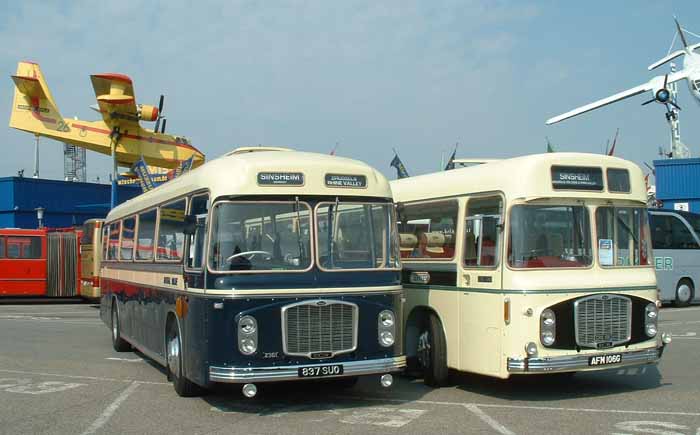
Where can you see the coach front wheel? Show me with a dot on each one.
(684, 293)
(118, 343)
(432, 352)
(173, 344)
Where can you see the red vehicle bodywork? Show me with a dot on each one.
(22, 262)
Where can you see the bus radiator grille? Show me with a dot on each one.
(603, 321)
(319, 329)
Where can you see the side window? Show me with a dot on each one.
(660, 231)
(113, 247)
(105, 238)
(199, 207)
(23, 247)
(126, 252)
(427, 230)
(146, 235)
(171, 236)
(2, 247)
(682, 238)
(482, 236)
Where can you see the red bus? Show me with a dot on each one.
(23, 268)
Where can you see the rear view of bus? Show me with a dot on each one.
(263, 265)
(537, 264)
(90, 256)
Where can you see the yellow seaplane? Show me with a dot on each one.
(118, 134)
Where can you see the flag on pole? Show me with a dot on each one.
(396, 162)
(141, 170)
(612, 149)
(550, 148)
(185, 166)
(451, 162)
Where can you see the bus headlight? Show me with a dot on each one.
(651, 318)
(247, 335)
(386, 318)
(386, 328)
(386, 338)
(548, 326)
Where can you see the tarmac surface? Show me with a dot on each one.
(60, 375)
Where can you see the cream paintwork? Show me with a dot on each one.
(478, 338)
(236, 174)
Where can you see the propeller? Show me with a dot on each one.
(160, 115)
(663, 96)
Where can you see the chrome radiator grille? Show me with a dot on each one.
(603, 320)
(320, 328)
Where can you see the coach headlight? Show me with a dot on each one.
(651, 318)
(386, 328)
(247, 335)
(548, 326)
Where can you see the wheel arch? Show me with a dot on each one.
(414, 322)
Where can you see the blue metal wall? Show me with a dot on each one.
(678, 180)
(65, 203)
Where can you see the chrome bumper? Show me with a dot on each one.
(239, 375)
(580, 362)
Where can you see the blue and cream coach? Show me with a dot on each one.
(263, 265)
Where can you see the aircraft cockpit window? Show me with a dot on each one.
(696, 85)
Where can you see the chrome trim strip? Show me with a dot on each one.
(241, 375)
(580, 362)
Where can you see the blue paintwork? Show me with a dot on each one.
(210, 336)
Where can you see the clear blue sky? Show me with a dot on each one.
(417, 76)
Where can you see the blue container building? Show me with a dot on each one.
(678, 183)
(65, 203)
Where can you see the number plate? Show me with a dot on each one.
(320, 371)
(604, 360)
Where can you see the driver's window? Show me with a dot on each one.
(199, 208)
(482, 233)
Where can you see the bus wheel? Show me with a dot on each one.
(684, 293)
(432, 352)
(183, 386)
(118, 343)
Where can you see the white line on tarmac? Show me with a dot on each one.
(534, 408)
(681, 337)
(46, 313)
(94, 378)
(498, 427)
(111, 409)
(673, 310)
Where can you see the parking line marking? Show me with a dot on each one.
(498, 427)
(534, 408)
(94, 378)
(111, 409)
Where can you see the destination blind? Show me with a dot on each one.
(577, 178)
(349, 181)
(280, 179)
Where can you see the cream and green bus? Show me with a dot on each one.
(536, 264)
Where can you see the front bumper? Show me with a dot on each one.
(240, 375)
(580, 362)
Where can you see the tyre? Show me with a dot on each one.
(432, 352)
(118, 343)
(684, 293)
(173, 347)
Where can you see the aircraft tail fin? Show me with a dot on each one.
(33, 107)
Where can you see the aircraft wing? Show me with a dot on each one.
(115, 98)
(653, 84)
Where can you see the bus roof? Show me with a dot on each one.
(526, 177)
(237, 173)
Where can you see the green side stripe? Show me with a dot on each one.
(522, 292)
